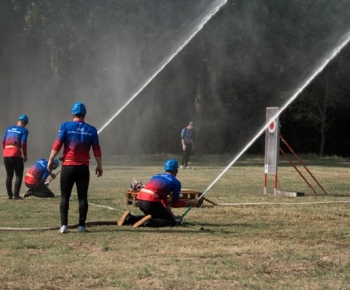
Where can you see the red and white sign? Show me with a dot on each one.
(271, 141)
(272, 126)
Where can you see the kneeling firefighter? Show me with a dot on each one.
(36, 177)
(152, 200)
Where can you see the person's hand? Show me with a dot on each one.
(25, 159)
(50, 165)
(98, 171)
(183, 147)
(178, 221)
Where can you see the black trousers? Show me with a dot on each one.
(161, 217)
(39, 190)
(13, 165)
(80, 176)
(186, 154)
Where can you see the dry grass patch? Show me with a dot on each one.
(282, 243)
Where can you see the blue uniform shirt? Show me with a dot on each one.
(38, 172)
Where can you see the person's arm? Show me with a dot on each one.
(57, 145)
(171, 212)
(183, 138)
(183, 144)
(191, 202)
(176, 202)
(24, 151)
(24, 145)
(3, 140)
(51, 159)
(99, 169)
(96, 149)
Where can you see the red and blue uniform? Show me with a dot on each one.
(162, 185)
(16, 139)
(78, 137)
(37, 173)
(35, 180)
(152, 200)
(14, 144)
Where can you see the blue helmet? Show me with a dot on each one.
(23, 118)
(56, 163)
(78, 108)
(171, 165)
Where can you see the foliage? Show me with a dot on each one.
(251, 55)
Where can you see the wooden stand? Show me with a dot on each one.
(130, 197)
(185, 194)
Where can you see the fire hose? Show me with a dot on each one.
(96, 223)
(48, 182)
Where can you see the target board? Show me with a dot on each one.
(271, 141)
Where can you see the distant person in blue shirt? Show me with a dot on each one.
(36, 177)
(187, 142)
(14, 145)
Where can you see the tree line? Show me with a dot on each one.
(251, 55)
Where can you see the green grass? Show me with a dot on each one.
(277, 243)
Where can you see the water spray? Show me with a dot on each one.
(199, 28)
(301, 88)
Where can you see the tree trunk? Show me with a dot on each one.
(323, 141)
(323, 130)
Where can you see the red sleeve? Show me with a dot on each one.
(57, 145)
(24, 150)
(97, 151)
(180, 203)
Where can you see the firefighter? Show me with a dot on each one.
(152, 200)
(36, 177)
(77, 138)
(14, 144)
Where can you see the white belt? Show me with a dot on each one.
(145, 190)
(11, 146)
(80, 160)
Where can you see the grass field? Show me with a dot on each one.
(255, 241)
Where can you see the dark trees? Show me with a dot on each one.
(249, 56)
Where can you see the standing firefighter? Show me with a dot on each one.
(14, 144)
(187, 142)
(36, 177)
(152, 200)
(78, 138)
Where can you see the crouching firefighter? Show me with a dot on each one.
(152, 200)
(36, 177)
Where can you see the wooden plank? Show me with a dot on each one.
(214, 203)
